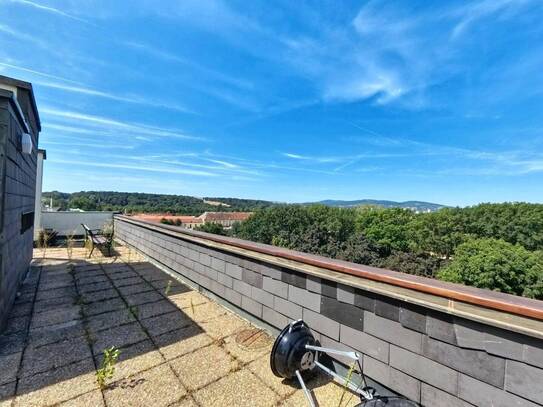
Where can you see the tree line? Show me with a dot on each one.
(129, 202)
(493, 246)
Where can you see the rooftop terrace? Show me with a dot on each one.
(178, 347)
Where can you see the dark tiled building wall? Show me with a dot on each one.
(17, 186)
(430, 357)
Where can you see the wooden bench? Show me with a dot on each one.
(97, 239)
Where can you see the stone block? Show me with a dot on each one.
(251, 306)
(270, 271)
(275, 287)
(225, 280)
(533, 353)
(313, 284)
(483, 394)
(343, 313)
(294, 278)
(345, 294)
(478, 364)
(219, 265)
(424, 369)
(364, 299)
(441, 326)
(232, 296)
(321, 324)
(392, 331)
(329, 288)
(287, 308)
(362, 342)
(432, 397)
(262, 296)
(274, 318)
(404, 384)
(413, 317)
(252, 278)
(387, 308)
(304, 298)
(242, 288)
(524, 380)
(234, 271)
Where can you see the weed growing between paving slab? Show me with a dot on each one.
(70, 243)
(107, 369)
(134, 310)
(168, 287)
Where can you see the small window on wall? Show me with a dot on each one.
(27, 221)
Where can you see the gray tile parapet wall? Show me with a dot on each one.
(434, 357)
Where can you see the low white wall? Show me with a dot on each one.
(67, 223)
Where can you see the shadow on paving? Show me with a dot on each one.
(176, 345)
(67, 313)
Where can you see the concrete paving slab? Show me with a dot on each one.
(10, 365)
(120, 336)
(261, 368)
(53, 304)
(182, 341)
(109, 320)
(239, 389)
(154, 309)
(204, 366)
(12, 343)
(166, 322)
(52, 356)
(187, 401)
(224, 326)
(57, 385)
(16, 324)
(99, 296)
(100, 307)
(91, 399)
(205, 312)
(188, 299)
(7, 391)
(143, 298)
(134, 359)
(95, 286)
(155, 387)
(56, 316)
(54, 333)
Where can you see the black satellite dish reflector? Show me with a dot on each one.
(295, 351)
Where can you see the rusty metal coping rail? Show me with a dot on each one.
(451, 298)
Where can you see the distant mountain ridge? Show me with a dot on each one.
(419, 206)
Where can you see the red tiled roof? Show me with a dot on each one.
(158, 217)
(218, 216)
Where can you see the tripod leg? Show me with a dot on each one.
(308, 394)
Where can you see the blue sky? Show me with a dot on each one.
(286, 101)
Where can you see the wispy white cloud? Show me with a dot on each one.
(111, 125)
(42, 7)
(156, 52)
(90, 145)
(24, 36)
(36, 72)
(223, 163)
(143, 168)
(107, 95)
(469, 14)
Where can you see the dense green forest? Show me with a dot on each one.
(129, 202)
(493, 246)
